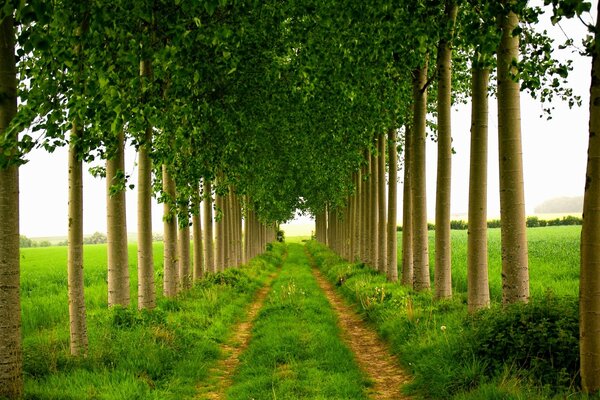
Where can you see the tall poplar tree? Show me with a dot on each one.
(515, 269)
(11, 352)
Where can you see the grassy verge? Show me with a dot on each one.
(295, 351)
(522, 352)
(161, 354)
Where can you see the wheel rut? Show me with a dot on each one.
(372, 354)
(216, 388)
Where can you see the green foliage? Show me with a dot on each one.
(539, 339)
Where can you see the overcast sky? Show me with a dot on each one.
(554, 158)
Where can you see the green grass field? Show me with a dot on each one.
(165, 353)
(519, 352)
(161, 354)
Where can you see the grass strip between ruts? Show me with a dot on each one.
(296, 351)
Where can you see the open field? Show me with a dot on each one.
(161, 354)
(519, 352)
(177, 344)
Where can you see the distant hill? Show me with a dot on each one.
(561, 205)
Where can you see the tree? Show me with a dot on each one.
(11, 353)
(418, 185)
(382, 225)
(118, 257)
(515, 270)
(392, 247)
(407, 211)
(208, 227)
(197, 234)
(171, 275)
(477, 255)
(443, 270)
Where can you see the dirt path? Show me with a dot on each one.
(372, 354)
(214, 389)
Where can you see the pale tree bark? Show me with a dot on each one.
(197, 234)
(171, 271)
(478, 291)
(515, 271)
(373, 213)
(351, 225)
(330, 228)
(392, 234)
(209, 249)
(145, 257)
(589, 288)
(407, 211)
(183, 253)
(237, 226)
(364, 213)
(219, 233)
(381, 200)
(77, 316)
(116, 226)
(226, 232)
(443, 266)
(356, 218)
(420, 238)
(11, 352)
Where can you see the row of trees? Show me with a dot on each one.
(261, 109)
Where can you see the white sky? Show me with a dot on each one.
(554, 158)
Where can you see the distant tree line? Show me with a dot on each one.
(531, 222)
(24, 241)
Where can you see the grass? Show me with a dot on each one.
(523, 352)
(295, 351)
(553, 260)
(159, 354)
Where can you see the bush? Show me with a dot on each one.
(458, 225)
(532, 222)
(539, 339)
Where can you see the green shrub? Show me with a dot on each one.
(540, 339)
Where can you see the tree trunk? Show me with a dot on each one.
(443, 266)
(116, 215)
(381, 236)
(392, 246)
(171, 272)
(364, 212)
(373, 213)
(220, 234)
(77, 317)
(146, 290)
(197, 233)
(419, 188)
(209, 249)
(185, 276)
(589, 289)
(477, 255)
(407, 211)
(356, 218)
(11, 353)
(515, 271)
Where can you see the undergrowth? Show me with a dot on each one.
(525, 351)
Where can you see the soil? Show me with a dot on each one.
(372, 354)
